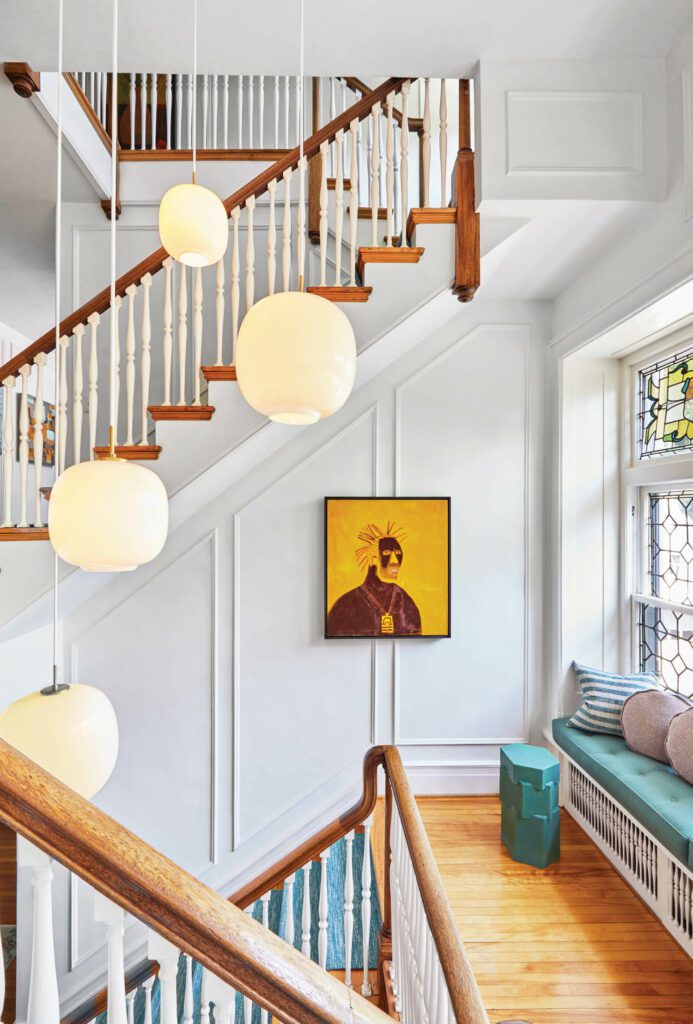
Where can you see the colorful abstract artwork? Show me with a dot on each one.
(666, 406)
(387, 567)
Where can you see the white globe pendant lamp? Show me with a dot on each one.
(296, 357)
(295, 354)
(108, 515)
(70, 731)
(193, 223)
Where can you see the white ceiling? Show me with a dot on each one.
(364, 37)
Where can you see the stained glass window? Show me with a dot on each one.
(666, 646)
(665, 416)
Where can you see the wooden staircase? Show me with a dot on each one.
(152, 397)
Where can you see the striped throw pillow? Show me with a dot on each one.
(603, 696)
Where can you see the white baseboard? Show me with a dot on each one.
(458, 778)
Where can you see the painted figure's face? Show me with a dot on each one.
(391, 555)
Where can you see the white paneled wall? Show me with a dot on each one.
(248, 723)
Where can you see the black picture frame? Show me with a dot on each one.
(381, 498)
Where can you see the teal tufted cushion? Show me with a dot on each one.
(652, 792)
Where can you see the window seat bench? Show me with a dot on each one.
(640, 814)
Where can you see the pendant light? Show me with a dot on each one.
(296, 351)
(108, 515)
(70, 731)
(193, 225)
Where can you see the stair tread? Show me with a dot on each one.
(387, 254)
(181, 412)
(342, 293)
(429, 215)
(8, 533)
(132, 452)
(219, 372)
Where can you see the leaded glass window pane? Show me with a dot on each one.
(665, 414)
(666, 646)
(670, 547)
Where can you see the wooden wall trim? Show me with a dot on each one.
(178, 906)
(25, 81)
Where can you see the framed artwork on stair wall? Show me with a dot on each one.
(387, 567)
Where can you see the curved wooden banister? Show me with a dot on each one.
(153, 263)
(415, 123)
(462, 986)
(178, 906)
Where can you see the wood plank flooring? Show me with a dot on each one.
(571, 944)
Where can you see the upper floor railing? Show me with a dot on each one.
(423, 972)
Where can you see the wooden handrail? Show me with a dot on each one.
(153, 263)
(178, 906)
(461, 983)
(415, 123)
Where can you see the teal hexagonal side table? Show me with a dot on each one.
(530, 816)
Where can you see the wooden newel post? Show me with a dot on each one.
(385, 936)
(467, 241)
(314, 174)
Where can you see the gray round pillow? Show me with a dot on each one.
(679, 744)
(645, 719)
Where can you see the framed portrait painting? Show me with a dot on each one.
(387, 567)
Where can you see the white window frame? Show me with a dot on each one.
(638, 478)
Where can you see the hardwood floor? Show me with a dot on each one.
(571, 944)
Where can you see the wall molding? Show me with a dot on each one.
(687, 132)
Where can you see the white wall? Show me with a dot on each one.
(242, 728)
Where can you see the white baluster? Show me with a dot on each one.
(190, 110)
(188, 994)
(169, 110)
(240, 111)
(205, 997)
(250, 257)
(7, 450)
(205, 108)
(323, 911)
(286, 111)
(116, 369)
(215, 109)
(220, 310)
(225, 109)
(131, 292)
(286, 233)
(251, 109)
(113, 917)
(333, 114)
(443, 141)
(289, 929)
(301, 219)
(276, 111)
(97, 100)
(130, 1005)
(39, 363)
(366, 905)
(168, 328)
(348, 906)
(166, 953)
(323, 214)
(44, 1001)
(77, 393)
(247, 1002)
(404, 140)
(375, 191)
(93, 375)
(92, 77)
(61, 412)
(235, 280)
(354, 201)
(224, 999)
(381, 163)
(104, 98)
(261, 111)
(305, 912)
(182, 333)
(299, 99)
(426, 140)
(197, 333)
(146, 352)
(398, 187)
(133, 109)
(265, 900)
(390, 168)
(153, 101)
(147, 986)
(24, 373)
(179, 111)
(271, 240)
(339, 206)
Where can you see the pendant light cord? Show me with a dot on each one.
(114, 167)
(194, 96)
(58, 238)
